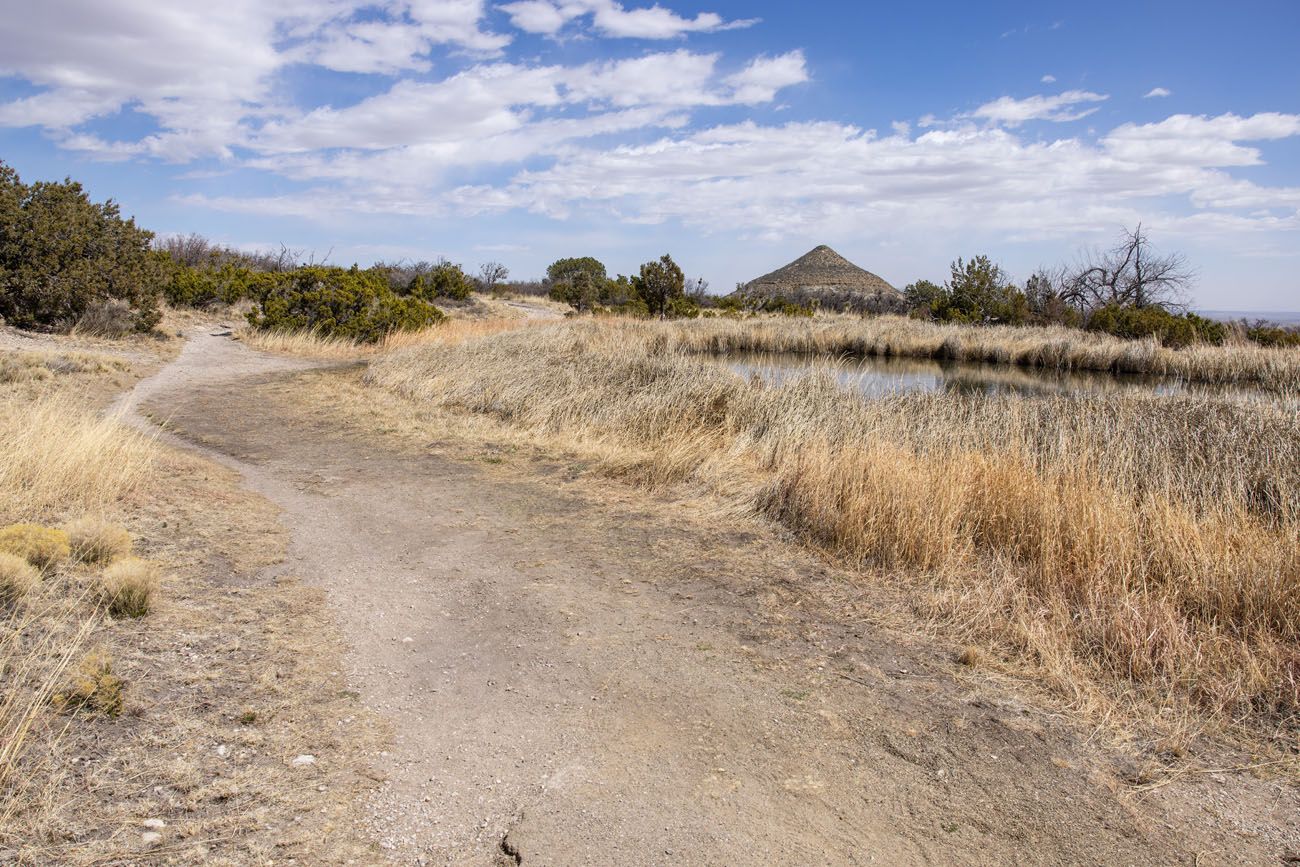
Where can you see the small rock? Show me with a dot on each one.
(151, 838)
(303, 761)
(407, 640)
(155, 824)
(223, 751)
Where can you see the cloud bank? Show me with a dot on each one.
(455, 123)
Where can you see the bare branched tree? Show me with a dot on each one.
(1130, 274)
(697, 289)
(192, 250)
(490, 274)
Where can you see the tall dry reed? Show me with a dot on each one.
(1135, 551)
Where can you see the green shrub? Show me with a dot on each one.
(1272, 335)
(443, 280)
(1208, 330)
(683, 307)
(227, 284)
(581, 282)
(784, 307)
(337, 302)
(659, 283)
(564, 270)
(61, 254)
(580, 291)
(977, 292)
(1171, 329)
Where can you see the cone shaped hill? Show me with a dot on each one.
(823, 279)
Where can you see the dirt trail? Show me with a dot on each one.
(534, 311)
(573, 679)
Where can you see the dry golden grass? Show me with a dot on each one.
(128, 587)
(97, 540)
(306, 343)
(39, 644)
(1052, 348)
(17, 367)
(1138, 554)
(62, 459)
(43, 547)
(312, 345)
(17, 578)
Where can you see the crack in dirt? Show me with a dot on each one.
(510, 854)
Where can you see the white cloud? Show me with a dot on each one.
(202, 71)
(206, 75)
(1048, 79)
(1060, 108)
(402, 38)
(497, 114)
(1186, 139)
(537, 16)
(611, 18)
(832, 178)
(616, 140)
(1157, 92)
(763, 77)
(192, 69)
(676, 78)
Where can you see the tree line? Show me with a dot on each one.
(1129, 290)
(66, 261)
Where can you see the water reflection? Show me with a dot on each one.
(878, 377)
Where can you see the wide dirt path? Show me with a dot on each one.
(573, 674)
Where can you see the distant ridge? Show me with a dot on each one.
(1281, 317)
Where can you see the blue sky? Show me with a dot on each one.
(734, 135)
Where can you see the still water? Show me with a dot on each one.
(878, 377)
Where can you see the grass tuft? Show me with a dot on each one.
(97, 541)
(970, 656)
(313, 345)
(94, 688)
(17, 577)
(43, 547)
(129, 586)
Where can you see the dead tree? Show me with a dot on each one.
(1130, 274)
(490, 274)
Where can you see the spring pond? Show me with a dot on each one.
(880, 377)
